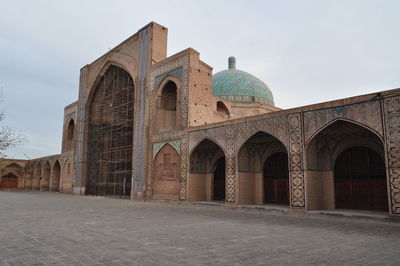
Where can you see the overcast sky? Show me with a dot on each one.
(306, 51)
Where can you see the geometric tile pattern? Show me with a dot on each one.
(184, 165)
(230, 165)
(176, 144)
(176, 72)
(392, 126)
(296, 161)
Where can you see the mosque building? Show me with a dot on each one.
(147, 126)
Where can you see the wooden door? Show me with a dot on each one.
(360, 180)
(276, 179)
(9, 181)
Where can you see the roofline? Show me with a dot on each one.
(312, 107)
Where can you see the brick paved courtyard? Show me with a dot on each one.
(56, 229)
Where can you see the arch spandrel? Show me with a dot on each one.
(13, 167)
(176, 144)
(344, 139)
(197, 139)
(365, 114)
(366, 127)
(274, 126)
(124, 61)
(256, 149)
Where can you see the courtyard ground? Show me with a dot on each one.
(44, 228)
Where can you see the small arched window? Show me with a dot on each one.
(69, 138)
(166, 114)
(168, 97)
(70, 130)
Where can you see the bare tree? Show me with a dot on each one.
(9, 138)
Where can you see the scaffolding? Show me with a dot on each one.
(111, 135)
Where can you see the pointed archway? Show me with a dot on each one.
(207, 172)
(263, 171)
(166, 107)
(69, 137)
(345, 169)
(55, 177)
(12, 176)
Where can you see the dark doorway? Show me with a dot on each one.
(276, 179)
(219, 180)
(360, 180)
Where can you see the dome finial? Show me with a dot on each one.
(232, 62)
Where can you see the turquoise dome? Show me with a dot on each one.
(238, 86)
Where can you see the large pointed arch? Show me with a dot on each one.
(325, 186)
(110, 133)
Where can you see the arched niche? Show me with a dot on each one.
(167, 107)
(207, 172)
(166, 173)
(222, 110)
(55, 177)
(70, 135)
(263, 171)
(322, 153)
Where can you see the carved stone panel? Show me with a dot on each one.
(276, 126)
(184, 164)
(392, 126)
(230, 188)
(296, 168)
(367, 113)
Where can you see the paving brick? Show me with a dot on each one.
(57, 229)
